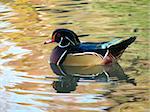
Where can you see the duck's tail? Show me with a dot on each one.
(117, 49)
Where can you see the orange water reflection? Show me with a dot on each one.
(25, 24)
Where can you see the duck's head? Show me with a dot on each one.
(64, 37)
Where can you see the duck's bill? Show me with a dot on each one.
(48, 41)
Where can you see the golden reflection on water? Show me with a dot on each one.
(26, 24)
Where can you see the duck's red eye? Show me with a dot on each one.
(58, 35)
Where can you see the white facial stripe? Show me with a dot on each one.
(70, 40)
(61, 40)
(64, 45)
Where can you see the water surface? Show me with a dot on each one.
(27, 84)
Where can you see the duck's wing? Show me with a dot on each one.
(118, 48)
(115, 47)
(89, 47)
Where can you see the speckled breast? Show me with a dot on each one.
(58, 55)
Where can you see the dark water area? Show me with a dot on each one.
(28, 84)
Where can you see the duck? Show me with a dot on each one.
(70, 51)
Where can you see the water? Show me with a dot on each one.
(27, 84)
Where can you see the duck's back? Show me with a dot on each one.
(89, 47)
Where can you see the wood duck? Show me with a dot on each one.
(70, 51)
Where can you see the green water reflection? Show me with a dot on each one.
(26, 24)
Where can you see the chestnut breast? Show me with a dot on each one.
(58, 55)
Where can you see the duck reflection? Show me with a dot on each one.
(70, 75)
(65, 84)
